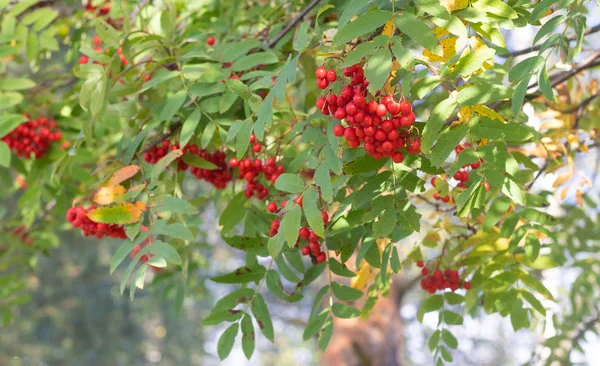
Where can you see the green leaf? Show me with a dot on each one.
(417, 30)
(519, 318)
(545, 86)
(234, 212)
(275, 244)
(364, 164)
(325, 335)
(386, 223)
(107, 33)
(453, 298)
(525, 68)
(434, 340)
(247, 336)
(362, 25)
(263, 318)
(291, 224)
(449, 339)
(471, 62)
(172, 106)
(344, 311)
(495, 212)
(314, 325)
(239, 296)
(311, 212)
(548, 27)
(403, 56)
(424, 86)
(175, 205)
(446, 143)
(302, 37)
(196, 161)
(346, 293)
(513, 191)
(166, 251)
(323, 180)
(377, 69)
(243, 274)
(256, 246)
(535, 284)
(540, 9)
(189, 127)
(276, 288)
(532, 247)
(125, 249)
(452, 318)
(207, 134)
(13, 84)
(288, 182)
(242, 140)
(175, 230)
(533, 301)
(8, 122)
(351, 8)
(496, 7)
(432, 303)
(453, 24)
(4, 154)
(440, 113)
(253, 60)
(10, 99)
(496, 130)
(395, 261)
(163, 163)
(226, 341)
(482, 94)
(217, 317)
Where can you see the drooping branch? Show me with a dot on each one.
(538, 47)
(293, 23)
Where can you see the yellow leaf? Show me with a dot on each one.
(382, 243)
(483, 141)
(485, 111)
(123, 174)
(108, 195)
(363, 276)
(389, 28)
(563, 193)
(388, 87)
(464, 114)
(440, 32)
(126, 213)
(578, 196)
(452, 5)
(584, 148)
(562, 178)
(448, 50)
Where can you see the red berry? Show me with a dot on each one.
(321, 257)
(322, 83)
(397, 157)
(210, 40)
(305, 250)
(393, 108)
(381, 110)
(338, 130)
(486, 185)
(83, 60)
(424, 271)
(321, 72)
(331, 76)
(252, 138)
(272, 207)
(405, 107)
(233, 162)
(467, 285)
(420, 264)
(325, 217)
(304, 233)
(321, 102)
(256, 148)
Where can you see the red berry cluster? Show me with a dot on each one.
(105, 9)
(217, 177)
(33, 137)
(382, 125)
(22, 234)
(462, 175)
(250, 170)
(313, 249)
(438, 280)
(146, 257)
(78, 217)
(324, 77)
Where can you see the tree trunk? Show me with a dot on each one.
(377, 341)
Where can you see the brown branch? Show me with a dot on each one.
(538, 47)
(293, 23)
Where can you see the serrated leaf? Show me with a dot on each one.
(189, 127)
(291, 224)
(314, 325)
(440, 113)
(276, 288)
(247, 336)
(166, 251)
(417, 30)
(311, 212)
(226, 341)
(364, 24)
(126, 213)
(288, 182)
(377, 69)
(346, 293)
(344, 311)
(175, 230)
(242, 140)
(263, 318)
(452, 318)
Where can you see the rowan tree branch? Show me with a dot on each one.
(293, 23)
(538, 47)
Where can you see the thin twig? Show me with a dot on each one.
(137, 9)
(538, 47)
(293, 23)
